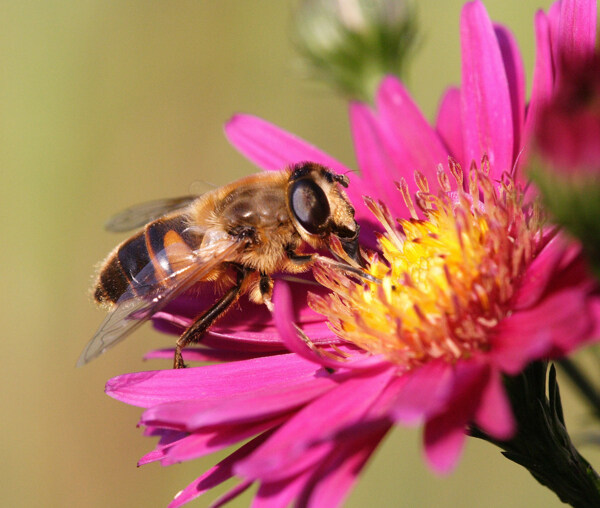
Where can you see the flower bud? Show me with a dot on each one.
(567, 138)
(352, 44)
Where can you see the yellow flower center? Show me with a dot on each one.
(447, 279)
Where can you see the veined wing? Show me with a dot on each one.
(146, 295)
(138, 215)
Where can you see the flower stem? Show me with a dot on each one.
(542, 444)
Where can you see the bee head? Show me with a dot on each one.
(320, 208)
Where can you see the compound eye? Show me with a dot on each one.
(309, 205)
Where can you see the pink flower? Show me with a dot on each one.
(424, 346)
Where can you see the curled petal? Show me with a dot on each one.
(303, 346)
(247, 326)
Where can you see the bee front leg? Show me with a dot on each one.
(265, 285)
(195, 332)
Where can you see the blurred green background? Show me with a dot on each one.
(106, 104)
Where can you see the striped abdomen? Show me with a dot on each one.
(141, 263)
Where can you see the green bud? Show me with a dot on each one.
(352, 44)
(566, 139)
(573, 199)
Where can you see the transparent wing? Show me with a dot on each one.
(138, 215)
(147, 296)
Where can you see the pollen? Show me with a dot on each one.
(447, 274)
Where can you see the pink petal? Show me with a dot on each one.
(247, 326)
(373, 159)
(239, 405)
(249, 315)
(494, 414)
(541, 88)
(486, 105)
(594, 306)
(539, 274)
(574, 270)
(167, 439)
(339, 408)
(148, 389)
(560, 320)
(231, 495)
(255, 341)
(281, 493)
(515, 75)
(335, 473)
(448, 124)
(217, 474)
(307, 461)
(200, 444)
(413, 143)
(332, 481)
(576, 38)
(445, 433)
(443, 445)
(272, 148)
(377, 417)
(553, 23)
(424, 391)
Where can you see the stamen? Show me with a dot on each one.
(421, 182)
(443, 179)
(403, 188)
(440, 285)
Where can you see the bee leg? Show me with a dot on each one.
(195, 332)
(299, 259)
(265, 286)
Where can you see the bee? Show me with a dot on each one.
(234, 237)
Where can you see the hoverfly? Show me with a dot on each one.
(234, 237)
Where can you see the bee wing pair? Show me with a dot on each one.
(146, 295)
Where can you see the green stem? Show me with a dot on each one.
(542, 444)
